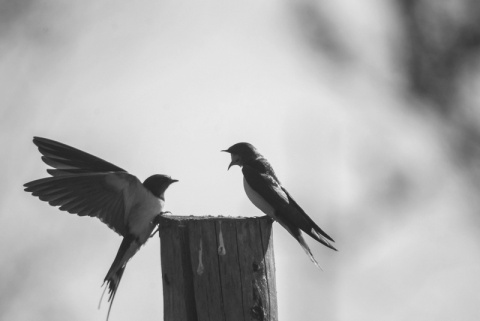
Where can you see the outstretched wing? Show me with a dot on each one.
(100, 195)
(68, 160)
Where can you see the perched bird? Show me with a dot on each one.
(83, 184)
(267, 193)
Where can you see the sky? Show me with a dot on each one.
(163, 86)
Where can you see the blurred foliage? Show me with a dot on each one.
(436, 52)
(442, 39)
(442, 46)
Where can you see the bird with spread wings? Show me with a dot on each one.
(86, 185)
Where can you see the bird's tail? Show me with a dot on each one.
(305, 247)
(297, 234)
(112, 280)
(320, 238)
(112, 285)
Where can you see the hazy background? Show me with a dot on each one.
(368, 111)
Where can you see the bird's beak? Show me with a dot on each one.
(173, 181)
(231, 163)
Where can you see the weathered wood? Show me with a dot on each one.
(218, 269)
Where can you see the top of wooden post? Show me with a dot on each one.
(217, 268)
(213, 217)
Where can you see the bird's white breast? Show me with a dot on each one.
(258, 200)
(144, 208)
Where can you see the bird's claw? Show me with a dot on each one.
(156, 221)
(154, 232)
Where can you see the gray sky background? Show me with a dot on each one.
(163, 86)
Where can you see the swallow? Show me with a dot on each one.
(265, 191)
(86, 185)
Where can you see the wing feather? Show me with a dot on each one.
(307, 222)
(287, 211)
(68, 160)
(90, 194)
(266, 186)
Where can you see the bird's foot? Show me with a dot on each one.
(155, 223)
(156, 220)
(154, 232)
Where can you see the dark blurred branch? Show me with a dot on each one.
(441, 40)
(442, 43)
(441, 55)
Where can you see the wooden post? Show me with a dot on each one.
(218, 269)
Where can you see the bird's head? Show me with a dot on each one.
(158, 184)
(241, 153)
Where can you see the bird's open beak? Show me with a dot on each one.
(231, 163)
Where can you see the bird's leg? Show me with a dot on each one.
(154, 232)
(156, 221)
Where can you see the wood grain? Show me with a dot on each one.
(218, 268)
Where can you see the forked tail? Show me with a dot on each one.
(112, 285)
(127, 249)
(305, 247)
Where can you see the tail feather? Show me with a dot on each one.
(112, 280)
(305, 247)
(297, 234)
(125, 252)
(320, 238)
(112, 284)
